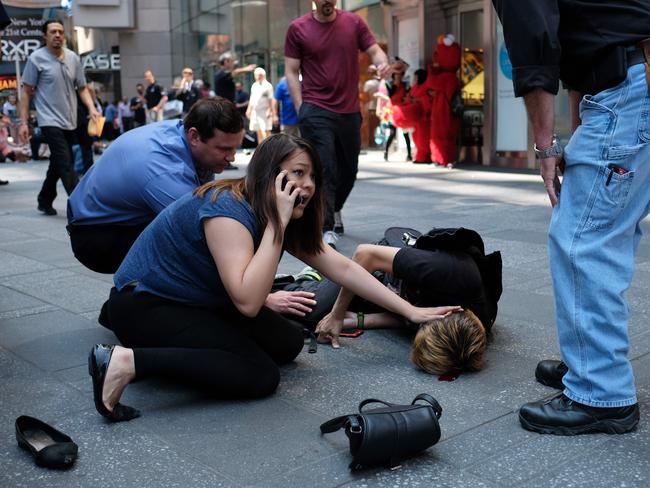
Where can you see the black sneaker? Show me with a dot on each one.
(562, 416)
(47, 210)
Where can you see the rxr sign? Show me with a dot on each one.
(18, 50)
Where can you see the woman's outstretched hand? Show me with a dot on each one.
(419, 315)
(328, 330)
(285, 198)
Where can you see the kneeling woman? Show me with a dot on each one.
(188, 302)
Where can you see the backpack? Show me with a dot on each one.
(456, 104)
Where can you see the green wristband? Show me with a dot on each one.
(360, 318)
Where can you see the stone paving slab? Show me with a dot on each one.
(48, 321)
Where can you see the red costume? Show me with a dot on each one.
(443, 82)
(418, 111)
(397, 99)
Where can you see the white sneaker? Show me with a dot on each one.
(330, 237)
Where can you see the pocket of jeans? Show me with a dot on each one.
(644, 122)
(301, 111)
(610, 199)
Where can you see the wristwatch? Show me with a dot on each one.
(554, 151)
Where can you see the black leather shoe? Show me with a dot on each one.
(47, 210)
(49, 447)
(550, 372)
(562, 416)
(98, 361)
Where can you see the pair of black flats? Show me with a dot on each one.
(562, 416)
(52, 448)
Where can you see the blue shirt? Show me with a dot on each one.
(171, 258)
(288, 115)
(110, 113)
(142, 172)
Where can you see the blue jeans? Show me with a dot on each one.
(593, 237)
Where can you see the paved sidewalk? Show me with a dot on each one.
(49, 305)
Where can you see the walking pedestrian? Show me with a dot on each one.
(284, 110)
(596, 49)
(55, 73)
(156, 98)
(260, 107)
(323, 45)
(224, 85)
(138, 106)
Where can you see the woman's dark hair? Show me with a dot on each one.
(212, 113)
(421, 75)
(258, 187)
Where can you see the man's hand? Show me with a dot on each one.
(328, 330)
(23, 133)
(551, 178)
(297, 303)
(385, 70)
(94, 114)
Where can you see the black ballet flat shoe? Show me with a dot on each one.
(49, 447)
(98, 361)
(550, 372)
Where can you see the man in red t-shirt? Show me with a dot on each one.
(323, 45)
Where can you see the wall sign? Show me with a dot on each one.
(100, 62)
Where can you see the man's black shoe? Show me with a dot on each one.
(47, 210)
(562, 416)
(4, 182)
(550, 372)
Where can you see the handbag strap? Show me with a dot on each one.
(339, 422)
(373, 400)
(431, 401)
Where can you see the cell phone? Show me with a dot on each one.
(351, 333)
(299, 199)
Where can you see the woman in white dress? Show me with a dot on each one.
(260, 108)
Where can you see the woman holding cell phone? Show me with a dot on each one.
(188, 301)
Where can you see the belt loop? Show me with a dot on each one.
(644, 45)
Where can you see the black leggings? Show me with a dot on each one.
(220, 352)
(391, 137)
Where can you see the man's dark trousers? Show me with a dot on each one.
(61, 165)
(103, 247)
(337, 139)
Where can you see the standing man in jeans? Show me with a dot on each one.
(597, 50)
(56, 74)
(323, 45)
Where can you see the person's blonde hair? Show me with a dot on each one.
(451, 344)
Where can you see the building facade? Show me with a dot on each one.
(119, 39)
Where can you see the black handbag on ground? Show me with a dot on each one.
(389, 434)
